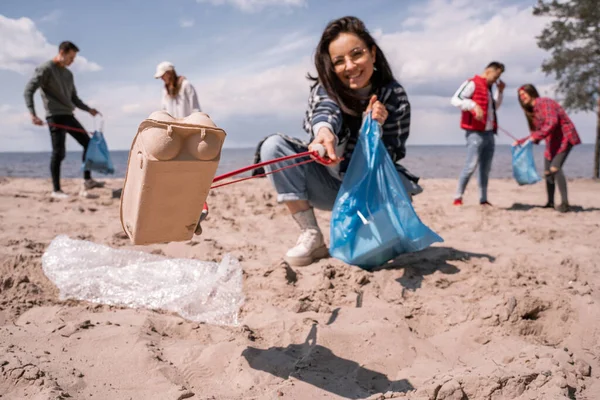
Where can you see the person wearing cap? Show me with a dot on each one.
(179, 97)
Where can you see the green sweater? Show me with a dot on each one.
(58, 90)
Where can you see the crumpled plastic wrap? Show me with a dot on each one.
(197, 290)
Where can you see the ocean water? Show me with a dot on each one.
(425, 161)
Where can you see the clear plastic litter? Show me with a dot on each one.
(197, 290)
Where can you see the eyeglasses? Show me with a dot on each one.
(355, 56)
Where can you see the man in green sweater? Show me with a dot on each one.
(60, 99)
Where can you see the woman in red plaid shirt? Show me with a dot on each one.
(548, 120)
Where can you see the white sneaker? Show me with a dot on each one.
(87, 195)
(60, 195)
(309, 247)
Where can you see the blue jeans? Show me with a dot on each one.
(480, 151)
(311, 182)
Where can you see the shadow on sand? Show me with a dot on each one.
(527, 207)
(428, 261)
(320, 367)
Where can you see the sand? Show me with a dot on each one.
(506, 308)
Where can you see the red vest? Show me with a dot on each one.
(481, 98)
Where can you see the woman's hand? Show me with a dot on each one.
(326, 138)
(521, 141)
(377, 109)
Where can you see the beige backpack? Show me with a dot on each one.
(171, 166)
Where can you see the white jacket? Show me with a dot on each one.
(182, 105)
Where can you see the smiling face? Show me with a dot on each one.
(526, 99)
(352, 60)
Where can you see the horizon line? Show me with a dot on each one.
(254, 147)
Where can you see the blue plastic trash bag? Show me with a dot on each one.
(97, 156)
(373, 220)
(523, 164)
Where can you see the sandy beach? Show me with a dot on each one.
(508, 307)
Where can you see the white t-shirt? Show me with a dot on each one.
(182, 105)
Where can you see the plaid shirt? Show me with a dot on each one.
(554, 125)
(323, 110)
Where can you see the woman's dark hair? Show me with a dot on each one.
(175, 85)
(349, 100)
(528, 109)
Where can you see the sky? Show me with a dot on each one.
(248, 61)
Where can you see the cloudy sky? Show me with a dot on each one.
(248, 60)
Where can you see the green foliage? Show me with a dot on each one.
(573, 39)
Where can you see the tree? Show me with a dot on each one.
(573, 38)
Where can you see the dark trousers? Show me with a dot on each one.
(557, 177)
(58, 136)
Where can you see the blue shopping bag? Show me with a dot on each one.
(523, 164)
(373, 220)
(97, 156)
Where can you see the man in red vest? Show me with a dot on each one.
(479, 105)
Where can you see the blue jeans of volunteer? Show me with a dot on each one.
(311, 181)
(480, 151)
(316, 183)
